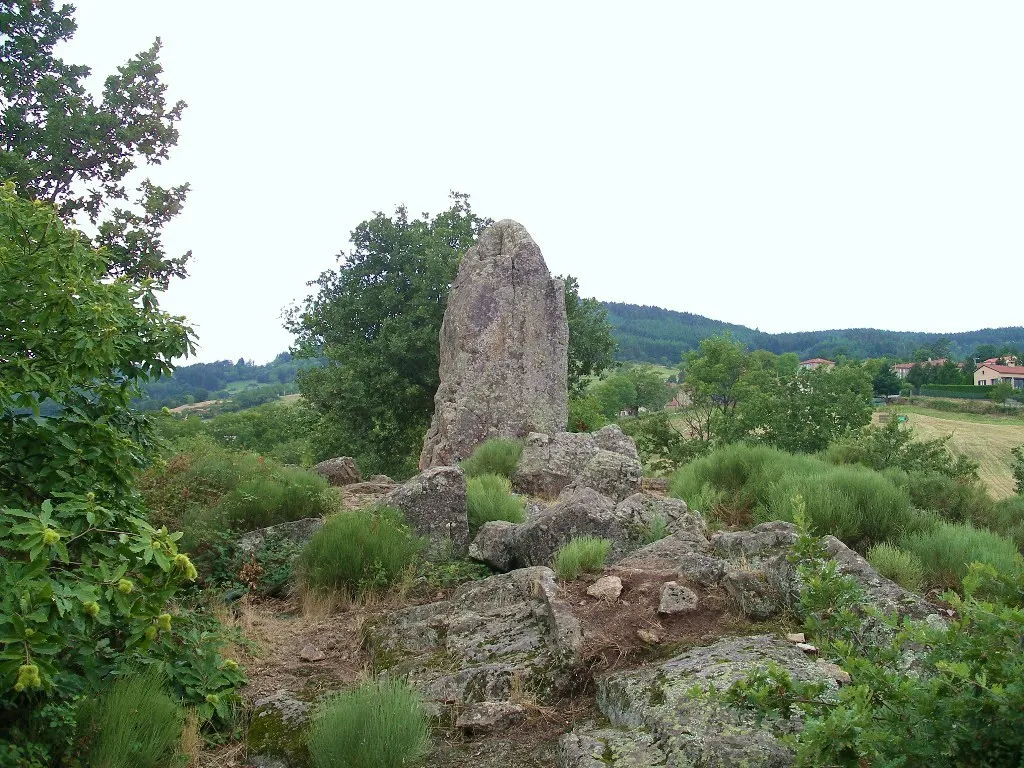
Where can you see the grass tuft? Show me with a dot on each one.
(134, 724)
(490, 497)
(584, 554)
(496, 456)
(359, 551)
(380, 724)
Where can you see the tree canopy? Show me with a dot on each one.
(61, 145)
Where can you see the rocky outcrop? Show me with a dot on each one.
(612, 474)
(550, 463)
(583, 512)
(434, 504)
(339, 471)
(659, 717)
(504, 349)
(489, 637)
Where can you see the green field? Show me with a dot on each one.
(984, 439)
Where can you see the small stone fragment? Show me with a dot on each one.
(606, 588)
(676, 598)
(490, 717)
(311, 653)
(796, 637)
(648, 636)
(807, 648)
(836, 672)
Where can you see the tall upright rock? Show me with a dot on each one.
(504, 348)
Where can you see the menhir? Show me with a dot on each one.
(504, 349)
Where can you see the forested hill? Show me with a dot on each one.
(655, 335)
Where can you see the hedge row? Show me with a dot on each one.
(963, 391)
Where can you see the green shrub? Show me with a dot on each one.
(380, 724)
(135, 724)
(854, 504)
(585, 414)
(953, 500)
(905, 568)
(1006, 517)
(948, 550)
(490, 497)
(966, 391)
(496, 456)
(361, 550)
(584, 554)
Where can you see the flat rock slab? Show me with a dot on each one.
(657, 721)
(491, 636)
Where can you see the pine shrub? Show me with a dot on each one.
(490, 497)
(584, 554)
(380, 724)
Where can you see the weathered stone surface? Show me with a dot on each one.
(643, 509)
(504, 348)
(684, 730)
(655, 484)
(763, 542)
(339, 471)
(675, 598)
(470, 648)
(434, 504)
(299, 531)
(310, 652)
(612, 438)
(551, 462)
(490, 717)
(887, 595)
(754, 593)
(612, 474)
(603, 747)
(370, 488)
(583, 512)
(276, 737)
(606, 588)
(494, 544)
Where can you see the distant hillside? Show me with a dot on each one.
(655, 335)
(244, 382)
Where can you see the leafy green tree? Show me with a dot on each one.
(715, 384)
(376, 320)
(1001, 392)
(61, 145)
(886, 382)
(631, 389)
(805, 411)
(85, 581)
(1018, 468)
(591, 344)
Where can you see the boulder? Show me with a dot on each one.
(656, 708)
(434, 504)
(339, 471)
(490, 717)
(612, 474)
(643, 509)
(276, 737)
(550, 463)
(606, 588)
(675, 598)
(298, 531)
(503, 349)
(494, 544)
(479, 645)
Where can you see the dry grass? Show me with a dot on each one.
(191, 741)
(985, 440)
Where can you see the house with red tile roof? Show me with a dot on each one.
(902, 369)
(817, 362)
(992, 373)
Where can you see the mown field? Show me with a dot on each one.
(985, 439)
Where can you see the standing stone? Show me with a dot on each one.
(504, 349)
(339, 471)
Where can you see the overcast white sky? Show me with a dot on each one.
(788, 166)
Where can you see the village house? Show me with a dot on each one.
(990, 373)
(817, 362)
(903, 369)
